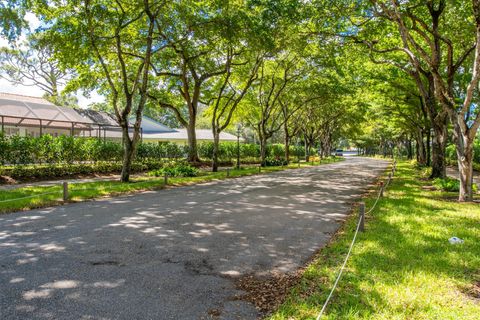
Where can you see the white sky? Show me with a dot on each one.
(7, 87)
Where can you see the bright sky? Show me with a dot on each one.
(7, 87)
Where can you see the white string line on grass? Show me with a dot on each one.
(320, 314)
(340, 272)
(378, 197)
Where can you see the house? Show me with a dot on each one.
(33, 116)
(180, 136)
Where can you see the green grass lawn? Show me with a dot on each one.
(11, 200)
(403, 266)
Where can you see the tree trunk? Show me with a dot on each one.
(439, 144)
(263, 150)
(464, 148)
(409, 149)
(429, 148)
(465, 168)
(421, 152)
(306, 150)
(128, 155)
(287, 148)
(216, 142)
(192, 142)
(328, 147)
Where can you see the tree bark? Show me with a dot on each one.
(464, 147)
(287, 148)
(465, 168)
(216, 142)
(128, 155)
(409, 149)
(439, 145)
(263, 150)
(192, 142)
(421, 150)
(307, 147)
(429, 148)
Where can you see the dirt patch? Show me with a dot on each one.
(7, 180)
(266, 293)
(474, 291)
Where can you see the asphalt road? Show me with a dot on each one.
(171, 254)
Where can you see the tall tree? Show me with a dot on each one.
(263, 108)
(229, 93)
(12, 20)
(386, 46)
(109, 44)
(32, 63)
(429, 35)
(196, 52)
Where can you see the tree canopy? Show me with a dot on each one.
(384, 76)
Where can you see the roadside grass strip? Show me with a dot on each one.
(402, 266)
(38, 197)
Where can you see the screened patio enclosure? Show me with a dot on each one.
(31, 116)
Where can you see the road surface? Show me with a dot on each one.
(171, 254)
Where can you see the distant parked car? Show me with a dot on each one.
(339, 153)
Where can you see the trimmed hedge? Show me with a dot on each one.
(65, 149)
(65, 170)
(228, 151)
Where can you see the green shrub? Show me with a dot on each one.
(451, 153)
(226, 150)
(450, 184)
(28, 172)
(297, 151)
(4, 149)
(275, 150)
(249, 150)
(447, 184)
(272, 162)
(205, 150)
(176, 170)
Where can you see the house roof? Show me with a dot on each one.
(18, 109)
(181, 134)
(177, 135)
(98, 117)
(151, 126)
